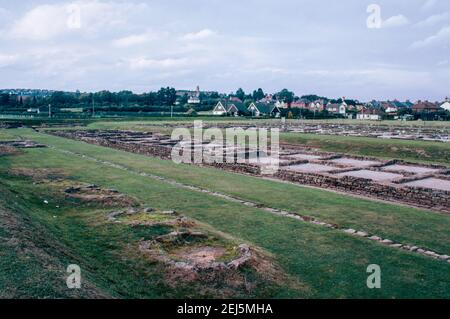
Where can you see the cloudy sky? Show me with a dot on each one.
(327, 47)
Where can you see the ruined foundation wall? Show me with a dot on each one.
(422, 197)
(428, 198)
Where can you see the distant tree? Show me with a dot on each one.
(4, 99)
(215, 95)
(286, 96)
(258, 94)
(314, 97)
(184, 99)
(167, 96)
(57, 99)
(240, 94)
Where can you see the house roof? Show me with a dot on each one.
(235, 99)
(238, 105)
(425, 106)
(372, 111)
(265, 108)
(446, 106)
(333, 106)
(228, 105)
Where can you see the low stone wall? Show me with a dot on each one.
(422, 197)
(237, 168)
(162, 152)
(433, 199)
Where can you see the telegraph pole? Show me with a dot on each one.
(171, 111)
(49, 110)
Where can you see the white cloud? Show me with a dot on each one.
(434, 20)
(438, 38)
(7, 60)
(145, 63)
(137, 39)
(203, 34)
(40, 23)
(395, 21)
(48, 21)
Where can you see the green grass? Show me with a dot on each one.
(107, 253)
(212, 120)
(401, 223)
(330, 264)
(414, 151)
(4, 136)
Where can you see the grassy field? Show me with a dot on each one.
(414, 151)
(325, 263)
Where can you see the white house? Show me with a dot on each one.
(31, 110)
(391, 109)
(446, 105)
(337, 108)
(220, 109)
(371, 114)
(343, 107)
(264, 109)
(195, 98)
(281, 105)
(230, 108)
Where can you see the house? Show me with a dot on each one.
(267, 99)
(332, 108)
(425, 107)
(408, 104)
(316, 106)
(391, 109)
(195, 98)
(236, 108)
(446, 105)
(298, 105)
(229, 108)
(32, 110)
(220, 108)
(371, 114)
(359, 107)
(235, 99)
(337, 108)
(281, 105)
(264, 109)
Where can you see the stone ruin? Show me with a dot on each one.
(185, 247)
(22, 144)
(196, 258)
(419, 185)
(93, 194)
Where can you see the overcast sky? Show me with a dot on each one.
(309, 46)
